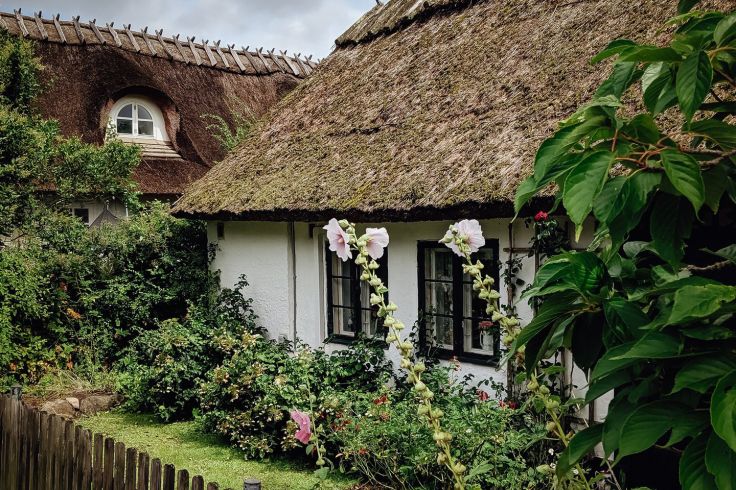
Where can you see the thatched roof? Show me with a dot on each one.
(87, 67)
(425, 110)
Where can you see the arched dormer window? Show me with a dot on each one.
(136, 117)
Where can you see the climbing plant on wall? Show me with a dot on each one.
(648, 310)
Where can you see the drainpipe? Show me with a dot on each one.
(292, 276)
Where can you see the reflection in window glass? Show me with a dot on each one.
(126, 111)
(124, 126)
(145, 128)
(143, 113)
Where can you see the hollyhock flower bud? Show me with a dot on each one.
(373, 265)
(375, 281)
(441, 459)
(496, 316)
(362, 242)
(405, 363)
(551, 426)
(343, 223)
(420, 386)
(427, 394)
(389, 320)
(436, 413)
(533, 385)
(420, 367)
(406, 345)
(391, 338)
(489, 281)
(544, 390)
(459, 468)
(422, 410)
(360, 260)
(399, 326)
(551, 404)
(392, 306)
(338, 239)
(375, 299)
(365, 276)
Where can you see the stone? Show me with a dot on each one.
(59, 407)
(98, 403)
(74, 402)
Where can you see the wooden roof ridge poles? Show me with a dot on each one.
(40, 26)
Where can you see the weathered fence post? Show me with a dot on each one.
(16, 391)
(251, 484)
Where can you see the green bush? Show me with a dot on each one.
(248, 398)
(163, 368)
(380, 436)
(74, 296)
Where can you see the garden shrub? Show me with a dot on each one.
(248, 398)
(380, 436)
(163, 368)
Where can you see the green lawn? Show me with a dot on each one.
(184, 446)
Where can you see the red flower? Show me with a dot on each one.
(482, 395)
(485, 325)
(513, 405)
(540, 216)
(381, 400)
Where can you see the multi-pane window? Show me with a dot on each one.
(453, 317)
(135, 120)
(82, 214)
(348, 307)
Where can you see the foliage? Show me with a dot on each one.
(230, 135)
(380, 436)
(648, 311)
(163, 368)
(248, 397)
(71, 295)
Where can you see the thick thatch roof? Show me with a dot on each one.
(426, 109)
(87, 67)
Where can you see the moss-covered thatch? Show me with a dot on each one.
(91, 66)
(424, 110)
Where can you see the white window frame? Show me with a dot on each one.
(159, 129)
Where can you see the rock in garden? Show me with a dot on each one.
(74, 402)
(98, 403)
(59, 407)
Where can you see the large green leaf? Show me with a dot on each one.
(605, 384)
(648, 423)
(692, 302)
(618, 81)
(725, 31)
(583, 185)
(701, 374)
(684, 6)
(683, 172)
(720, 460)
(721, 133)
(555, 148)
(581, 444)
(694, 78)
(670, 224)
(693, 472)
(612, 361)
(618, 411)
(552, 309)
(716, 182)
(631, 204)
(660, 93)
(524, 192)
(649, 54)
(654, 345)
(625, 317)
(723, 409)
(613, 48)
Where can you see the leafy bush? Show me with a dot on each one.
(164, 367)
(71, 296)
(649, 315)
(380, 436)
(248, 397)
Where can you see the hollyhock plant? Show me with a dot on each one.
(304, 433)
(376, 240)
(339, 240)
(466, 232)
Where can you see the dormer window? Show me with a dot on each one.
(137, 117)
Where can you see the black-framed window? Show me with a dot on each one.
(82, 214)
(453, 318)
(349, 311)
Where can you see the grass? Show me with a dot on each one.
(184, 446)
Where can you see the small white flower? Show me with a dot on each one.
(553, 466)
(575, 472)
(551, 451)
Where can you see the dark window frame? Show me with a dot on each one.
(458, 317)
(357, 309)
(82, 214)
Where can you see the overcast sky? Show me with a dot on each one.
(306, 26)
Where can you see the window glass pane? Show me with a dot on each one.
(479, 336)
(342, 321)
(341, 292)
(438, 264)
(368, 322)
(124, 126)
(439, 331)
(145, 128)
(143, 113)
(126, 111)
(82, 214)
(438, 298)
(485, 255)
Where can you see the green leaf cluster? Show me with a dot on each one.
(648, 311)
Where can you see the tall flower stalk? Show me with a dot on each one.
(369, 247)
(465, 238)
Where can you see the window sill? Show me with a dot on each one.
(489, 360)
(346, 340)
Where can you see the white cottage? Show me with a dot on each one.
(425, 113)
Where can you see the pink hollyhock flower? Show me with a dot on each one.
(470, 231)
(541, 216)
(482, 395)
(302, 420)
(338, 240)
(377, 241)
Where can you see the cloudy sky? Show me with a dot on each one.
(306, 26)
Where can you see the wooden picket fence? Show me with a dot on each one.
(40, 451)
